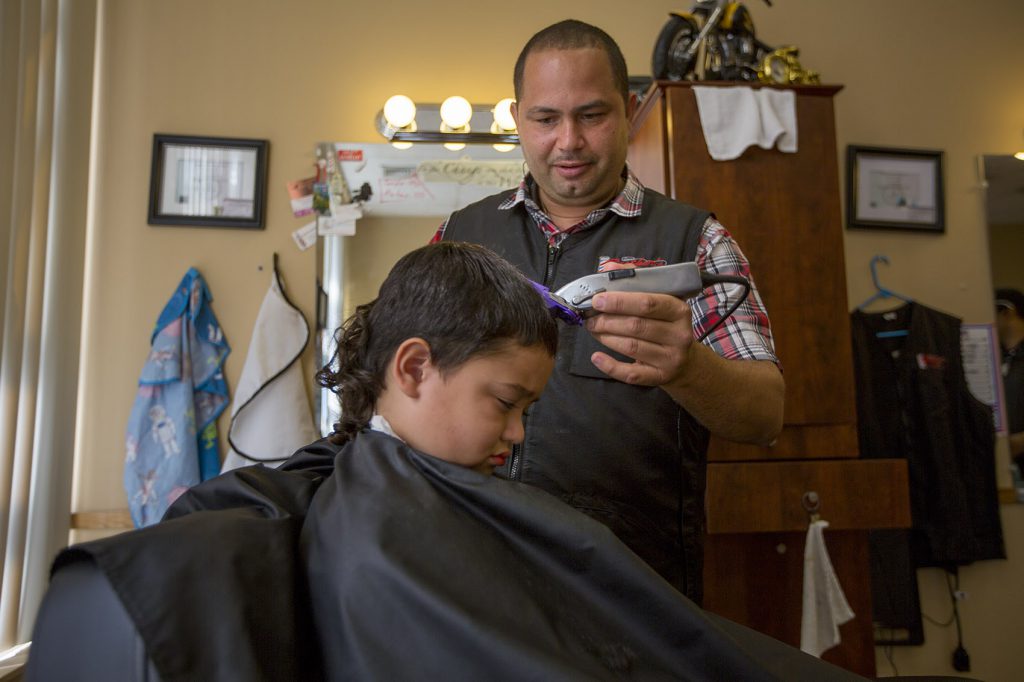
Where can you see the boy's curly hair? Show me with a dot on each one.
(464, 300)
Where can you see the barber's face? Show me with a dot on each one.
(573, 127)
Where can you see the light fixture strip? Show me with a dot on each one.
(424, 133)
(468, 138)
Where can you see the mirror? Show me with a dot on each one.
(412, 191)
(1004, 209)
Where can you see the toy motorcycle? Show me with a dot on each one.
(714, 41)
(781, 67)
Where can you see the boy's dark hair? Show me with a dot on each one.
(464, 300)
(573, 35)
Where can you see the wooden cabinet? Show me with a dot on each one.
(784, 211)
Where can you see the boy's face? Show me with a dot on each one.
(474, 415)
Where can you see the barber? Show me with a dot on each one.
(621, 431)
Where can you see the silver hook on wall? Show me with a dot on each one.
(259, 268)
(811, 504)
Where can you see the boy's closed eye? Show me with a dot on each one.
(509, 405)
(505, 404)
(511, 396)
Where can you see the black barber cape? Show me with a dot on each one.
(372, 561)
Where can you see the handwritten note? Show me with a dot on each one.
(400, 189)
(499, 174)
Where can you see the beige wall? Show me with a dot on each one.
(917, 73)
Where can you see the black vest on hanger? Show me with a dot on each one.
(913, 402)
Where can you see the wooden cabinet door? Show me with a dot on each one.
(784, 211)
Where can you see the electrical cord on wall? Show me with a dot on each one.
(708, 279)
(887, 650)
(961, 659)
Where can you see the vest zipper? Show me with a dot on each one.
(517, 456)
(549, 269)
(515, 466)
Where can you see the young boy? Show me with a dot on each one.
(386, 551)
(436, 372)
(447, 358)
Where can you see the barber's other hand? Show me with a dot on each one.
(656, 330)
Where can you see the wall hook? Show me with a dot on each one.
(811, 504)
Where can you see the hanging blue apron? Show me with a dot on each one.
(171, 439)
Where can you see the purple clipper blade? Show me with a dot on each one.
(558, 307)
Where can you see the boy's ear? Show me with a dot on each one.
(411, 365)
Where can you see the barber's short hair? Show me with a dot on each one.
(574, 35)
(1010, 299)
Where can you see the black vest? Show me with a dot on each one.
(628, 456)
(913, 402)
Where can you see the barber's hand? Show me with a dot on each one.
(656, 330)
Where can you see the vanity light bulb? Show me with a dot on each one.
(1019, 156)
(496, 129)
(503, 114)
(399, 111)
(456, 112)
(454, 146)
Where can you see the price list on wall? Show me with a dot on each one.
(981, 366)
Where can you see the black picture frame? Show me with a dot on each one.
(894, 189)
(208, 181)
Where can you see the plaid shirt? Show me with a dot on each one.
(746, 334)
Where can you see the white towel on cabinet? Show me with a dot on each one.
(824, 605)
(270, 416)
(734, 118)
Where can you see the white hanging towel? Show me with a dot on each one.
(734, 118)
(825, 607)
(270, 416)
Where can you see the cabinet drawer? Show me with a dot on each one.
(797, 441)
(755, 497)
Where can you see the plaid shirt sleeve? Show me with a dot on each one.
(440, 233)
(747, 333)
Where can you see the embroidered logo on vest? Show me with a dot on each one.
(929, 361)
(607, 263)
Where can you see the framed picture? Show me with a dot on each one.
(894, 189)
(208, 181)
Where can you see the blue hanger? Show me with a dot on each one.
(883, 293)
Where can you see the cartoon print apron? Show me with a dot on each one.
(171, 438)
